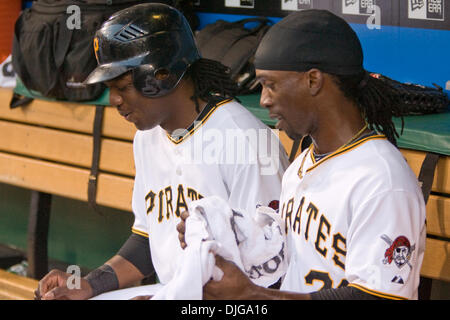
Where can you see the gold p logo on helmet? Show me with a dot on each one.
(96, 47)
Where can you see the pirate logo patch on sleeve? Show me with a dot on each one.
(399, 251)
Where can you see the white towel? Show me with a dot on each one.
(254, 242)
(7, 75)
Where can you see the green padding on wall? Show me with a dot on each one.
(425, 133)
(251, 102)
(15, 203)
(84, 237)
(22, 90)
(77, 234)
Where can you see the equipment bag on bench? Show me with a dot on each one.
(234, 45)
(53, 45)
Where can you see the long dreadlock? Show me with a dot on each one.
(212, 81)
(377, 101)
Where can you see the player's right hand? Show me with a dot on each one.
(142, 298)
(181, 228)
(234, 285)
(54, 287)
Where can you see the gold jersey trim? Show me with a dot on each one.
(376, 293)
(201, 120)
(139, 232)
(343, 150)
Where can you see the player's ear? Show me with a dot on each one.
(314, 78)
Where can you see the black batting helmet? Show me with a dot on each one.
(154, 41)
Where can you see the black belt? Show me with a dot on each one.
(96, 147)
(426, 175)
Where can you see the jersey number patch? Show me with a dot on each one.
(324, 277)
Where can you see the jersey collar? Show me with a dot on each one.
(334, 154)
(204, 115)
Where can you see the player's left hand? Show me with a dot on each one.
(181, 228)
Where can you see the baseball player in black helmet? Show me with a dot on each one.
(353, 209)
(157, 51)
(148, 58)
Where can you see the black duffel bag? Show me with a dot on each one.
(234, 45)
(52, 50)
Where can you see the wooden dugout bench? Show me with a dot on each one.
(47, 147)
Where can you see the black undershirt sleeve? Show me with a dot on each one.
(345, 293)
(137, 251)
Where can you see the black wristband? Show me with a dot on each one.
(102, 279)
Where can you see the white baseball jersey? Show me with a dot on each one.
(217, 155)
(355, 217)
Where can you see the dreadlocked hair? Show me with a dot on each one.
(377, 101)
(212, 81)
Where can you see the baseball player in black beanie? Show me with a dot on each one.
(348, 198)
